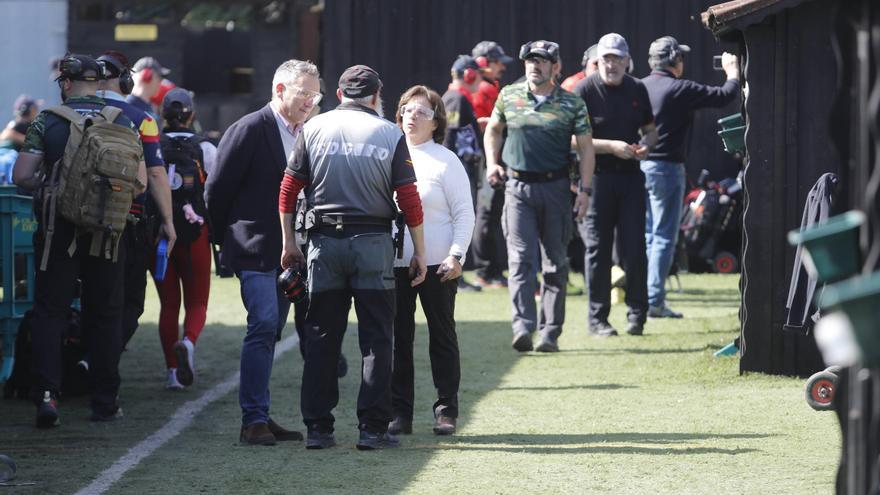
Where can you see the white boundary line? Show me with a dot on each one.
(179, 421)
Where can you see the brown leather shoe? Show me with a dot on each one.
(256, 434)
(283, 435)
(444, 425)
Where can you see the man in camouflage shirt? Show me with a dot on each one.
(540, 119)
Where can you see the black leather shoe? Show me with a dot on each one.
(376, 441)
(602, 329)
(399, 425)
(635, 328)
(282, 434)
(444, 425)
(522, 342)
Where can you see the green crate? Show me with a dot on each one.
(17, 227)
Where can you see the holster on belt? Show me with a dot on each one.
(400, 223)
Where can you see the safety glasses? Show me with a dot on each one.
(417, 111)
(305, 94)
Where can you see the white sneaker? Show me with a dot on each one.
(172, 383)
(184, 351)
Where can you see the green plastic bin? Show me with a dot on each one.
(733, 133)
(859, 298)
(831, 249)
(17, 227)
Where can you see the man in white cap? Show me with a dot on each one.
(623, 134)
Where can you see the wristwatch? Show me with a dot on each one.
(588, 190)
(456, 256)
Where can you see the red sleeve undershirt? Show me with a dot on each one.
(290, 188)
(408, 200)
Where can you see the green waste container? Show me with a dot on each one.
(858, 298)
(831, 249)
(733, 133)
(17, 227)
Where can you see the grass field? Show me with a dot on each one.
(641, 415)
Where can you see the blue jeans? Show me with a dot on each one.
(267, 309)
(664, 187)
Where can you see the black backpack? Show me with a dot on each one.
(187, 182)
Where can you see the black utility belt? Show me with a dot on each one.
(524, 176)
(351, 230)
(618, 168)
(345, 225)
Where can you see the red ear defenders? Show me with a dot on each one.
(293, 283)
(469, 76)
(482, 61)
(147, 75)
(126, 83)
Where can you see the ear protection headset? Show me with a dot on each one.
(469, 76)
(147, 75)
(69, 67)
(126, 82)
(482, 61)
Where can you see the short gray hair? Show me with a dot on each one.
(292, 69)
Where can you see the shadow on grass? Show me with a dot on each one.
(595, 386)
(662, 443)
(622, 351)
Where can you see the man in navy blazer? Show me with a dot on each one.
(242, 199)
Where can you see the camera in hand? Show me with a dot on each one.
(293, 283)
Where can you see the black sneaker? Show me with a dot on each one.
(634, 328)
(547, 345)
(47, 411)
(341, 366)
(317, 440)
(465, 286)
(100, 417)
(376, 441)
(522, 341)
(399, 425)
(602, 329)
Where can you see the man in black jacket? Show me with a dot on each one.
(673, 100)
(242, 199)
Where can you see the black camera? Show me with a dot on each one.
(293, 283)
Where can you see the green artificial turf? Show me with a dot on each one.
(651, 414)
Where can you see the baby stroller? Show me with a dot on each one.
(711, 225)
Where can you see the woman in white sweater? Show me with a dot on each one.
(449, 223)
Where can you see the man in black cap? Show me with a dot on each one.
(490, 255)
(242, 198)
(117, 84)
(55, 282)
(351, 162)
(540, 118)
(674, 100)
(624, 133)
(148, 74)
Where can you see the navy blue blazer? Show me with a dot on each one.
(242, 193)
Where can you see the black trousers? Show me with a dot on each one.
(489, 247)
(619, 203)
(135, 278)
(101, 308)
(438, 303)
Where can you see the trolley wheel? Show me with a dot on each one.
(725, 262)
(820, 390)
(834, 369)
(7, 468)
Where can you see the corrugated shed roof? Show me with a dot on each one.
(737, 14)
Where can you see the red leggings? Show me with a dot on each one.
(189, 265)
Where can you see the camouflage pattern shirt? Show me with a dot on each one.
(539, 133)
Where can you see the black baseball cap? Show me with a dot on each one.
(177, 100)
(491, 51)
(545, 49)
(462, 63)
(75, 67)
(667, 47)
(150, 63)
(359, 81)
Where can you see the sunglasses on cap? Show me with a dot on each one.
(418, 111)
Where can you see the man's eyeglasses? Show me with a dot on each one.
(305, 94)
(612, 60)
(418, 111)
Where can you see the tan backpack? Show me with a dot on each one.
(94, 183)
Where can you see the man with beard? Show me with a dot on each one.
(540, 118)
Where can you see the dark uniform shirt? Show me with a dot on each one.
(461, 136)
(674, 101)
(616, 113)
(539, 133)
